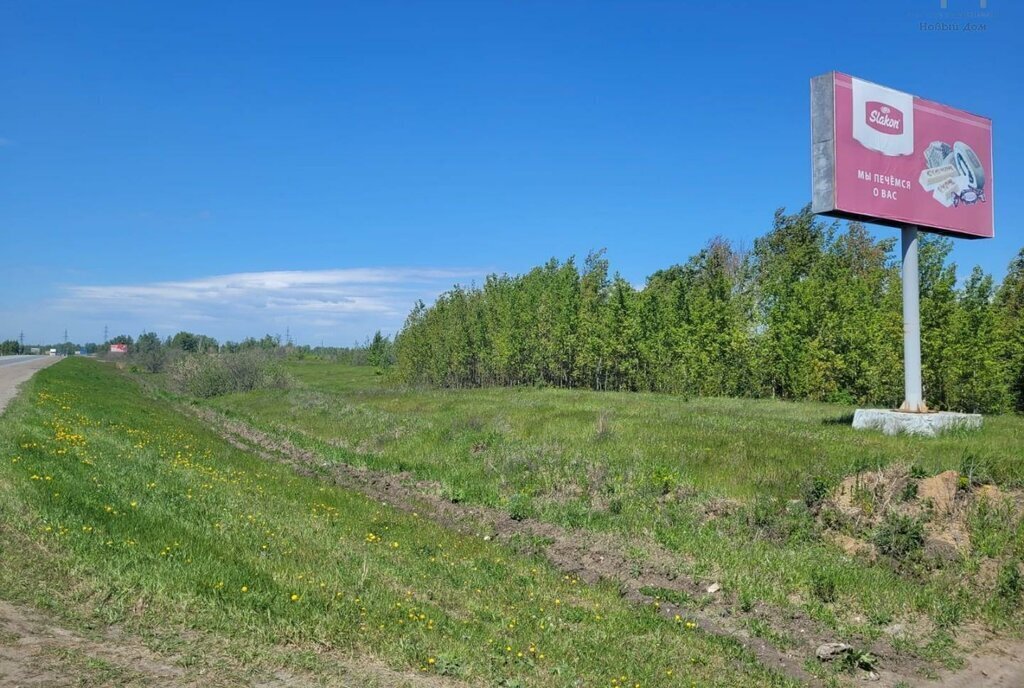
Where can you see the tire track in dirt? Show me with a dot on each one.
(37, 652)
(32, 644)
(589, 556)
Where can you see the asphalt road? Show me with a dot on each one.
(16, 369)
(15, 360)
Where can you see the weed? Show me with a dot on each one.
(520, 507)
(859, 659)
(603, 431)
(917, 471)
(991, 525)
(899, 536)
(950, 610)
(976, 469)
(879, 616)
(747, 600)
(823, 585)
(1009, 584)
(452, 493)
(814, 491)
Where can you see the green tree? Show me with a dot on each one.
(787, 302)
(150, 352)
(813, 312)
(1010, 332)
(378, 353)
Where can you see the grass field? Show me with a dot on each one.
(718, 481)
(118, 509)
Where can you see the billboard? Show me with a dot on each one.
(118, 348)
(891, 158)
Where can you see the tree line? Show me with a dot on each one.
(813, 311)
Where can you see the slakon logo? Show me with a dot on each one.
(883, 118)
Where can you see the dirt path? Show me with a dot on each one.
(996, 663)
(14, 373)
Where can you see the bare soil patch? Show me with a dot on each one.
(943, 503)
(34, 651)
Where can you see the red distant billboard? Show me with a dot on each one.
(884, 156)
(118, 348)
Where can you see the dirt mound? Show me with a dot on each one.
(940, 492)
(942, 504)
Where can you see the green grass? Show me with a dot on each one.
(655, 468)
(119, 509)
(733, 447)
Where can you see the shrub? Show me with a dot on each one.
(210, 375)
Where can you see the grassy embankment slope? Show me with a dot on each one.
(719, 481)
(118, 509)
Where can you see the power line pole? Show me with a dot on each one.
(105, 337)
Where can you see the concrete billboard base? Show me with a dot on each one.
(925, 424)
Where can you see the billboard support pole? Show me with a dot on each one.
(913, 400)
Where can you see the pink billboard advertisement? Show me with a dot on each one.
(884, 156)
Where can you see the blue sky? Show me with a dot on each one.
(243, 168)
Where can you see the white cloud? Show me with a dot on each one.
(339, 305)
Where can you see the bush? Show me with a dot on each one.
(210, 375)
